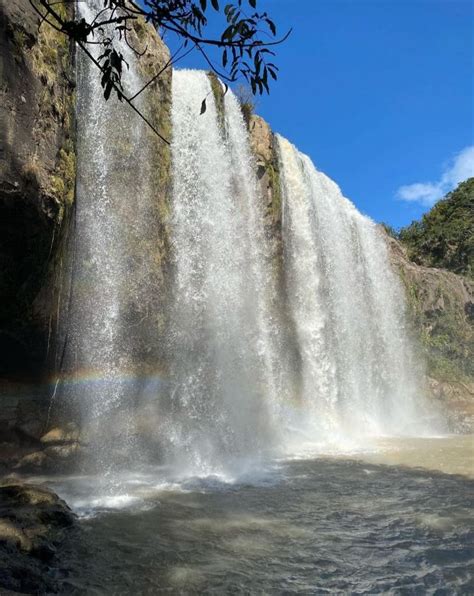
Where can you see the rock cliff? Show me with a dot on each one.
(263, 145)
(37, 172)
(441, 307)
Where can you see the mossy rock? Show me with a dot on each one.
(218, 94)
(440, 307)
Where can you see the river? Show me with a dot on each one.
(394, 518)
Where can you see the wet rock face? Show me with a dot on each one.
(34, 523)
(36, 177)
(440, 305)
(458, 397)
(26, 444)
(267, 168)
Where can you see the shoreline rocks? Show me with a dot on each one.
(34, 524)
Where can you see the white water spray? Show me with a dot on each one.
(359, 373)
(232, 396)
(223, 400)
(115, 278)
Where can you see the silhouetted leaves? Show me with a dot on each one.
(111, 63)
(77, 30)
(244, 42)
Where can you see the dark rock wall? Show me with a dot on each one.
(37, 172)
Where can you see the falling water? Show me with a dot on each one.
(359, 374)
(235, 392)
(114, 273)
(223, 401)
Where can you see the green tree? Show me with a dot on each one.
(445, 235)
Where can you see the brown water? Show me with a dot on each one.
(364, 523)
(451, 455)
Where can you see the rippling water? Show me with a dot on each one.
(306, 526)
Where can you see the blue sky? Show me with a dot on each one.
(380, 94)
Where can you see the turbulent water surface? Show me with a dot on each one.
(305, 526)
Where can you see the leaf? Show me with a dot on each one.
(253, 3)
(203, 107)
(105, 77)
(215, 4)
(228, 33)
(224, 58)
(102, 56)
(265, 80)
(272, 26)
(203, 5)
(108, 90)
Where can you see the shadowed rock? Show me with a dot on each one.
(34, 522)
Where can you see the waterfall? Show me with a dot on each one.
(251, 372)
(224, 402)
(115, 278)
(359, 372)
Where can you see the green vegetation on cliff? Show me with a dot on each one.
(440, 310)
(444, 237)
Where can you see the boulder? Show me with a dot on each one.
(69, 434)
(32, 462)
(34, 523)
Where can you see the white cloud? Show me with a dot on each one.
(427, 193)
(461, 169)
